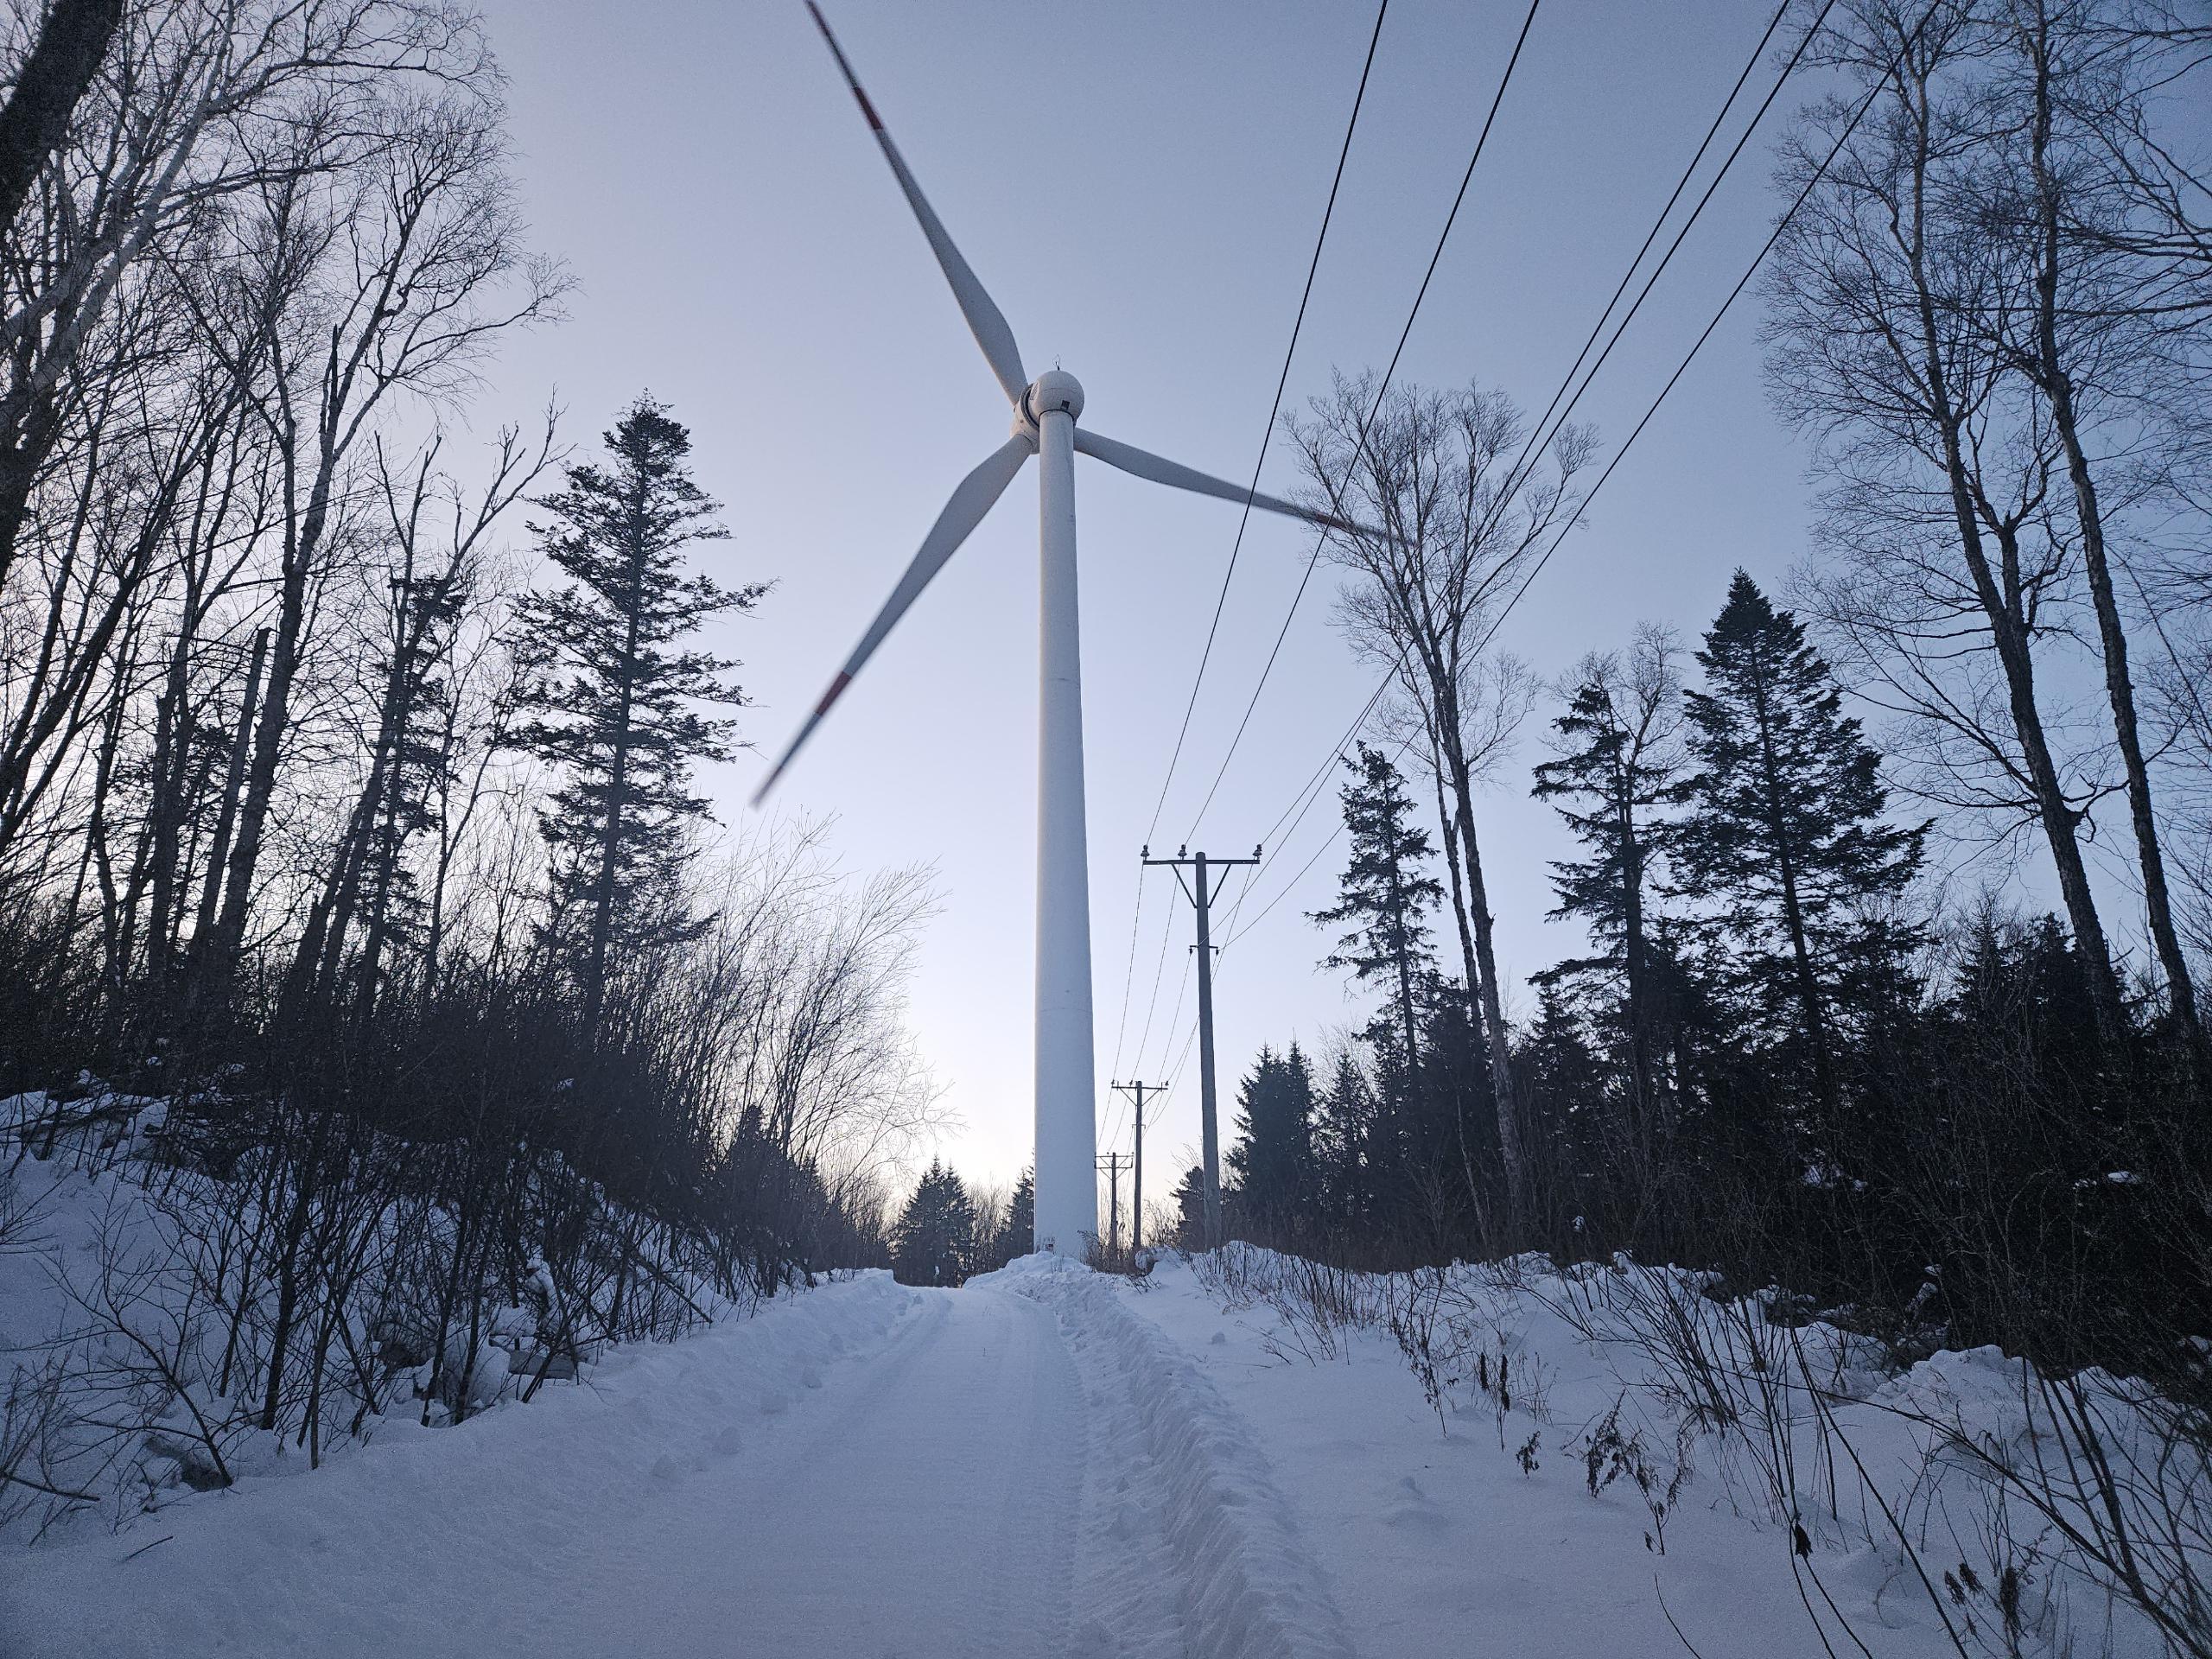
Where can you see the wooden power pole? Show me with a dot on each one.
(1136, 1177)
(1111, 1163)
(1201, 897)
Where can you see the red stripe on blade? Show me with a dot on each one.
(836, 689)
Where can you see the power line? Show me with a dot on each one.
(1538, 437)
(1303, 801)
(1309, 793)
(1235, 910)
(1129, 976)
(1175, 1075)
(1151, 1007)
(1202, 898)
(1660, 223)
(1266, 435)
(1310, 790)
(1734, 293)
(1538, 434)
(1290, 886)
(1301, 804)
(1221, 600)
(1175, 1013)
(1405, 334)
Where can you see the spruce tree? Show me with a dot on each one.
(1385, 894)
(1617, 770)
(1786, 843)
(1018, 1233)
(1190, 1196)
(614, 705)
(1273, 1158)
(932, 1242)
(1450, 1119)
(1342, 1127)
(1563, 1076)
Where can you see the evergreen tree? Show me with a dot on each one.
(1785, 843)
(1385, 894)
(1619, 765)
(936, 1232)
(369, 888)
(1190, 1196)
(1344, 1123)
(614, 705)
(1451, 1118)
(1272, 1161)
(1562, 1080)
(1018, 1233)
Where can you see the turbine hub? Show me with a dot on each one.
(1055, 389)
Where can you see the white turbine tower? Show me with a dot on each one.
(1045, 414)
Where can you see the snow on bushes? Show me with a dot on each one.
(174, 1317)
(1967, 1496)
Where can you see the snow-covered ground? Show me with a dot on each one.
(1046, 1462)
(1326, 1508)
(1440, 1537)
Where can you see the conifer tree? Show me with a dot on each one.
(1273, 1158)
(931, 1243)
(1563, 1076)
(1450, 1115)
(1343, 1126)
(614, 708)
(1385, 895)
(1786, 842)
(1018, 1233)
(1190, 1196)
(1619, 765)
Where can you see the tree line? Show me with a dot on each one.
(1822, 1034)
(947, 1232)
(348, 765)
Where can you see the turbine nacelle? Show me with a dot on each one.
(1054, 390)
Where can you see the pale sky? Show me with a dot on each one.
(1139, 186)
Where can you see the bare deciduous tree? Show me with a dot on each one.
(1940, 473)
(1455, 515)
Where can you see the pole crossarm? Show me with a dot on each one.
(1136, 1175)
(1202, 895)
(1111, 1166)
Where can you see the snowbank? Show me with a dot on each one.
(455, 1529)
(176, 1317)
(1516, 1459)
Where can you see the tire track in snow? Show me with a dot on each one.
(1178, 1489)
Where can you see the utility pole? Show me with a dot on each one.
(1201, 900)
(1136, 1183)
(1111, 1163)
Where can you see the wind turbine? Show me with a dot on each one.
(1046, 410)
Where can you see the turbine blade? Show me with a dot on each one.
(984, 318)
(1143, 463)
(971, 501)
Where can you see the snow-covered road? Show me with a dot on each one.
(1047, 1462)
(863, 1470)
(922, 1501)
